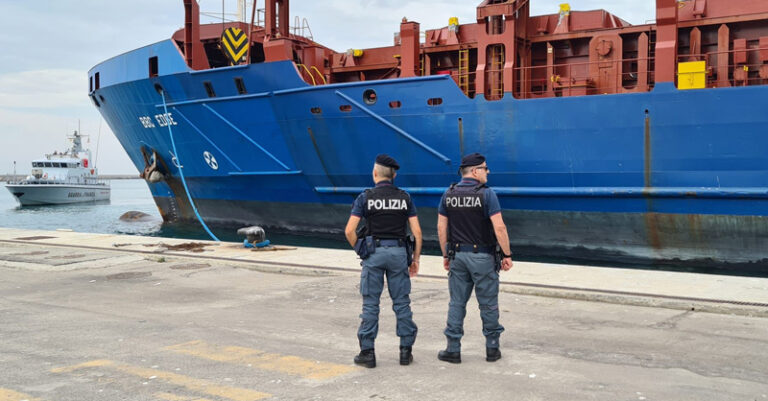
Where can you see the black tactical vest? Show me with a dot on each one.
(386, 211)
(467, 223)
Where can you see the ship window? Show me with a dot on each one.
(345, 108)
(316, 110)
(153, 71)
(47, 164)
(369, 97)
(240, 86)
(209, 89)
(90, 84)
(395, 104)
(36, 165)
(96, 81)
(435, 101)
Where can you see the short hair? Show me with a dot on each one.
(466, 170)
(384, 171)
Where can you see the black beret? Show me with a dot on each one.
(386, 161)
(474, 159)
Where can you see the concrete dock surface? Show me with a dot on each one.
(109, 317)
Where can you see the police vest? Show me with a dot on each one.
(467, 223)
(386, 211)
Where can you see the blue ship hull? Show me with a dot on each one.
(663, 175)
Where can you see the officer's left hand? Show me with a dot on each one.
(506, 264)
(413, 269)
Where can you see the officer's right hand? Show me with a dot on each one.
(506, 264)
(446, 264)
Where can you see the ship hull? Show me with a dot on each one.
(57, 194)
(665, 175)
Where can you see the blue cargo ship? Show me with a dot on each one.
(605, 140)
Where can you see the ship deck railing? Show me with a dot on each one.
(576, 79)
(754, 72)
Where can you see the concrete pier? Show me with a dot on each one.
(102, 317)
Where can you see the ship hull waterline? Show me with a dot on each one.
(53, 194)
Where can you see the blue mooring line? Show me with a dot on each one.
(181, 173)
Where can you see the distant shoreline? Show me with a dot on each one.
(11, 177)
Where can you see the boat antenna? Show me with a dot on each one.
(98, 139)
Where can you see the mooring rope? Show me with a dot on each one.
(181, 171)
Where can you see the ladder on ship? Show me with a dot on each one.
(495, 76)
(464, 71)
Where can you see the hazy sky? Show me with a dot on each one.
(48, 46)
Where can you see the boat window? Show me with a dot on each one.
(209, 89)
(345, 108)
(56, 164)
(316, 110)
(153, 71)
(240, 86)
(435, 101)
(90, 84)
(395, 104)
(96, 81)
(36, 165)
(47, 164)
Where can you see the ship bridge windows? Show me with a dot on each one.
(47, 164)
(209, 89)
(37, 164)
(153, 67)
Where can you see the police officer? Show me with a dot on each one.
(469, 225)
(386, 209)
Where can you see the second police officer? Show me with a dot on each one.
(469, 226)
(387, 210)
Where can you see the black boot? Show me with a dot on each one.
(492, 354)
(406, 356)
(452, 357)
(366, 358)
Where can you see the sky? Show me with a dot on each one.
(48, 46)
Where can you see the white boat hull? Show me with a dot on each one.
(55, 194)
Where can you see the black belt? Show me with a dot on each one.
(474, 248)
(389, 242)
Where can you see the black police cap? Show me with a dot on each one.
(474, 159)
(387, 161)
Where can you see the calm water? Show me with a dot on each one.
(104, 217)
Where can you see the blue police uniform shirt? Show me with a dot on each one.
(491, 204)
(358, 208)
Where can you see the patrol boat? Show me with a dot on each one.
(59, 178)
(605, 140)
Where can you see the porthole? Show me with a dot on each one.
(369, 97)
(345, 108)
(435, 101)
(316, 110)
(395, 104)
